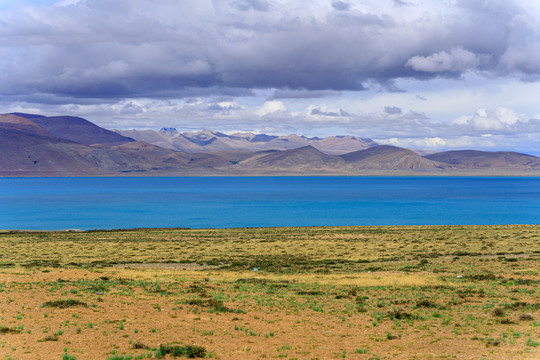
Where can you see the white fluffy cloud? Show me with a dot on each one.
(440, 144)
(458, 60)
(499, 120)
(271, 107)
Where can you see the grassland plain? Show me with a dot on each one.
(419, 292)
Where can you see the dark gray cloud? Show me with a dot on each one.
(341, 5)
(393, 110)
(97, 49)
(303, 94)
(257, 5)
(335, 113)
(223, 108)
(400, 3)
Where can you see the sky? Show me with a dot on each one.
(425, 74)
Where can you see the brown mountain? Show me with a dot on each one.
(17, 123)
(76, 129)
(386, 157)
(473, 159)
(304, 158)
(339, 145)
(26, 147)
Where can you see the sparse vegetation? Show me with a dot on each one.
(62, 304)
(189, 351)
(248, 293)
(8, 330)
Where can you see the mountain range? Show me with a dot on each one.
(204, 141)
(36, 145)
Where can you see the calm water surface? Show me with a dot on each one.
(218, 202)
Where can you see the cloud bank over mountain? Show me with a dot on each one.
(321, 65)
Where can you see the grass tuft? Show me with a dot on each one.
(7, 330)
(189, 351)
(64, 304)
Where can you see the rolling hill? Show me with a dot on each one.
(473, 159)
(303, 158)
(386, 157)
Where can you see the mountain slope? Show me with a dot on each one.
(474, 159)
(76, 129)
(386, 157)
(304, 158)
(25, 147)
(18, 123)
(338, 145)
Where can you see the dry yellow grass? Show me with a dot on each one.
(227, 245)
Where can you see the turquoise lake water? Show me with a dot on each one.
(219, 202)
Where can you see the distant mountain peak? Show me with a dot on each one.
(209, 141)
(170, 131)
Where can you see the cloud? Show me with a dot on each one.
(257, 5)
(317, 113)
(522, 143)
(341, 5)
(441, 144)
(303, 94)
(458, 61)
(224, 107)
(393, 110)
(120, 49)
(271, 107)
(500, 120)
(68, 2)
(400, 3)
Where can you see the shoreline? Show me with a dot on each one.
(217, 174)
(255, 228)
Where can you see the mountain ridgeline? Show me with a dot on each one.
(35, 145)
(204, 141)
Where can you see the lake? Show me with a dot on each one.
(220, 202)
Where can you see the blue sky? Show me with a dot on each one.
(11, 4)
(429, 74)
